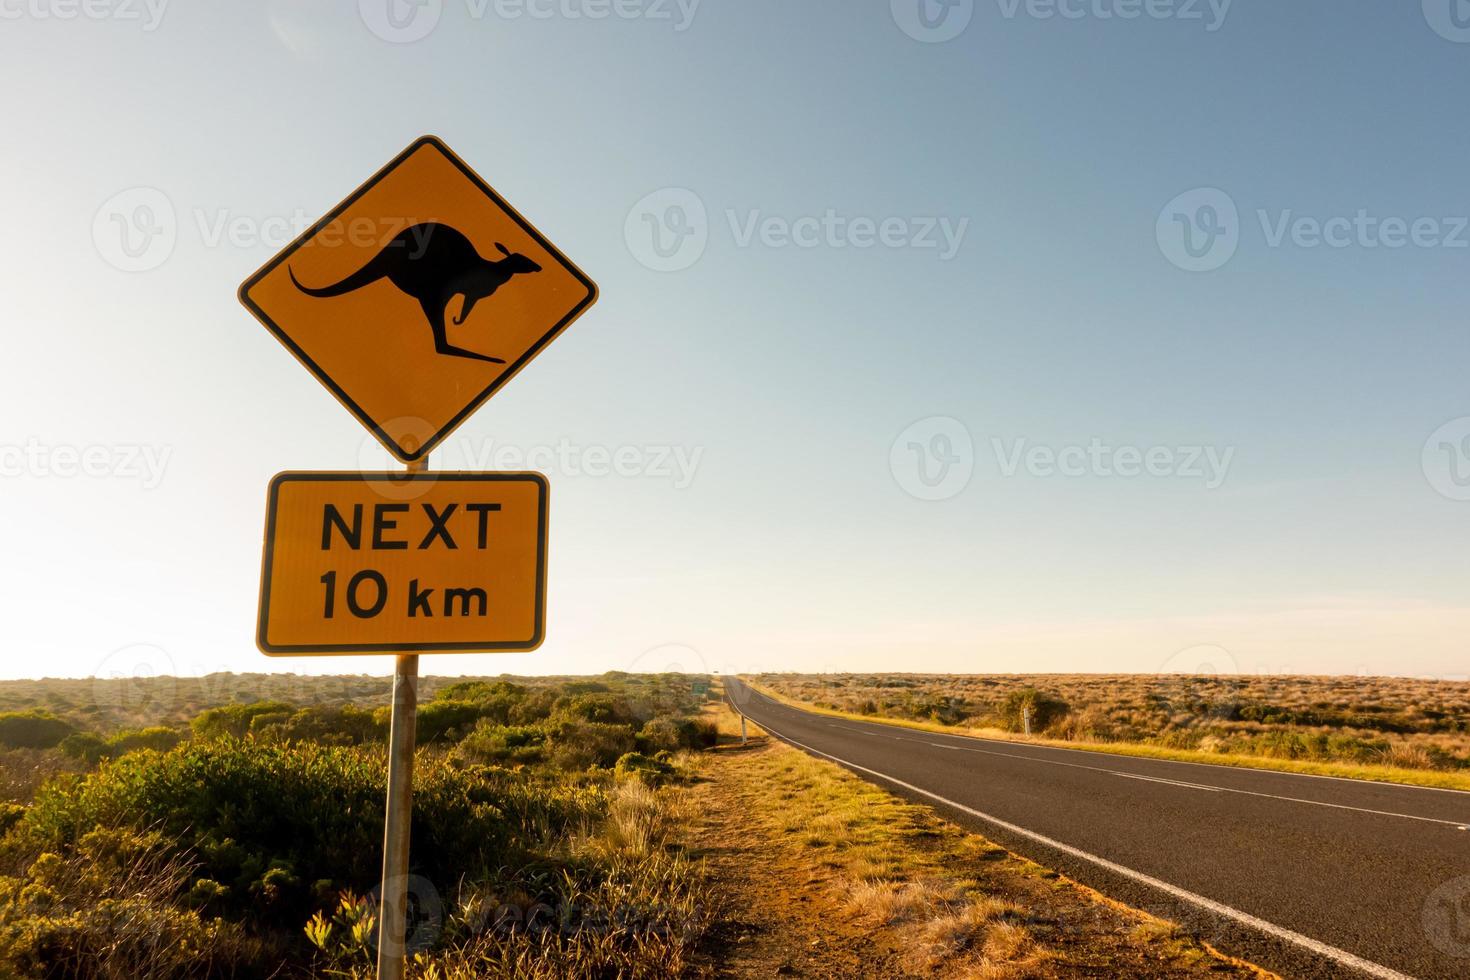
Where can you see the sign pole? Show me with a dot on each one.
(393, 903)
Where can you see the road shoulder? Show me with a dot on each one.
(823, 874)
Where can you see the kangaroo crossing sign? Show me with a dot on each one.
(413, 301)
(388, 562)
(418, 297)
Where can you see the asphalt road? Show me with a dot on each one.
(1304, 875)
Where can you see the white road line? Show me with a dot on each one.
(1457, 824)
(1341, 956)
(1171, 782)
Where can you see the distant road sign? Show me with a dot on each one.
(416, 298)
(394, 562)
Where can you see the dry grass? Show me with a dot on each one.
(107, 911)
(1393, 729)
(869, 838)
(23, 771)
(640, 915)
(640, 819)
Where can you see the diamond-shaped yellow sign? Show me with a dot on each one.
(418, 297)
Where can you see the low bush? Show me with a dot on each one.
(496, 698)
(32, 729)
(493, 743)
(602, 709)
(107, 911)
(273, 827)
(447, 720)
(699, 733)
(660, 735)
(88, 747)
(92, 749)
(346, 725)
(653, 770)
(1046, 709)
(577, 745)
(234, 720)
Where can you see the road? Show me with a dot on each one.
(1305, 875)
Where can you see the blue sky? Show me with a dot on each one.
(978, 239)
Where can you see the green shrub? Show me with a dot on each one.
(87, 747)
(234, 720)
(582, 744)
(943, 710)
(496, 698)
(492, 743)
(32, 729)
(269, 724)
(603, 709)
(535, 707)
(157, 738)
(585, 687)
(347, 725)
(440, 721)
(92, 748)
(1046, 709)
(653, 771)
(699, 733)
(106, 912)
(268, 822)
(660, 735)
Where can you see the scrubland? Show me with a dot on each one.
(149, 833)
(1377, 727)
(230, 827)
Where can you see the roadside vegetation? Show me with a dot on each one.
(243, 838)
(230, 827)
(837, 877)
(1403, 730)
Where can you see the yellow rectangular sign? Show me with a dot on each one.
(398, 562)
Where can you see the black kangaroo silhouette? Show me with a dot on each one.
(434, 263)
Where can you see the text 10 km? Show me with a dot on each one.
(366, 593)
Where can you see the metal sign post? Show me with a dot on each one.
(393, 904)
(398, 820)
